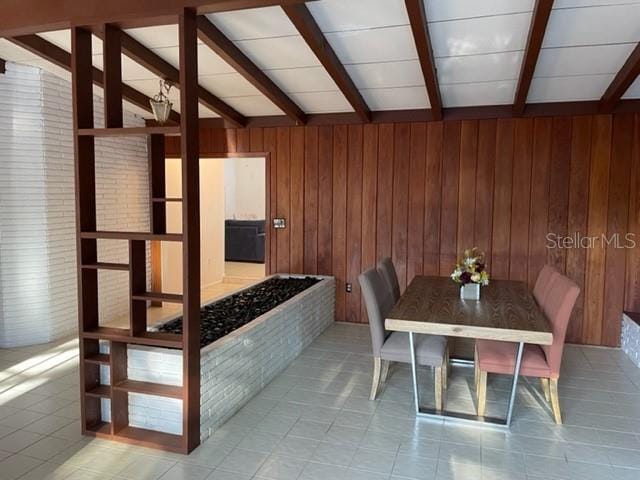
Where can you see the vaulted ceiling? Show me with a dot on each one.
(376, 59)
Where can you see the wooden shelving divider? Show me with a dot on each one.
(121, 132)
(93, 336)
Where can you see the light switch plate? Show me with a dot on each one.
(279, 223)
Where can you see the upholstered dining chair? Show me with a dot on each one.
(537, 361)
(544, 282)
(388, 273)
(431, 350)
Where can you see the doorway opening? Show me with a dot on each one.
(233, 234)
(245, 219)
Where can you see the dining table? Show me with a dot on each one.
(506, 311)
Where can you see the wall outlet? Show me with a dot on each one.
(348, 287)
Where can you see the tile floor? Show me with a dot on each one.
(243, 271)
(314, 422)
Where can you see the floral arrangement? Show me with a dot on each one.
(471, 269)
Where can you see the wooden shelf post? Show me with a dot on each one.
(137, 286)
(87, 252)
(189, 142)
(158, 216)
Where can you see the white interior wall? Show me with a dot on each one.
(245, 188)
(211, 224)
(38, 300)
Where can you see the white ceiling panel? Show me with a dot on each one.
(389, 74)
(254, 23)
(228, 85)
(479, 68)
(204, 112)
(396, 98)
(208, 62)
(62, 39)
(593, 26)
(478, 47)
(296, 80)
(554, 62)
(588, 3)
(480, 35)
(321, 102)
(253, 106)
(279, 52)
(13, 53)
(130, 69)
(443, 10)
(634, 90)
(341, 15)
(475, 94)
(156, 37)
(133, 71)
(373, 46)
(567, 89)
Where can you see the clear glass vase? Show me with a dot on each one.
(470, 291)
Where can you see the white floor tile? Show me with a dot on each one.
(17, 465)
(315, 422)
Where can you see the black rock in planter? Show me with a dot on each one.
(224, 316)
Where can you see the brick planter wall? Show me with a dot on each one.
(234, 368)
(630, 340)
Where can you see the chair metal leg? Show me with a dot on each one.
(555, 400)
(437, 382)
(414, 374)
(445, 371)
(376, 378)
(514, 383)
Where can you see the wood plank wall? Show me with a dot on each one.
(422, 192)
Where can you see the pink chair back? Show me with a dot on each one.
(558, 305)
(544, 282)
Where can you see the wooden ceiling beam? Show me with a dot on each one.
(621, 82)
(425, 115)
(56, 55)
(226, 49)
(310, 31)
(163, 69)
(23, 17)
(539, 20)
(420, 30)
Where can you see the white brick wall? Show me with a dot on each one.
(37, 208)
(236, 367)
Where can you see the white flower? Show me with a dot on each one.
(475, 278)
